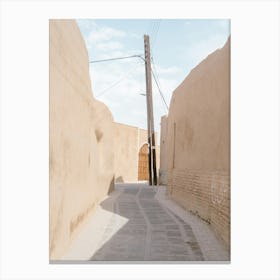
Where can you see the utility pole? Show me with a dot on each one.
(150, 114)
(148, 89)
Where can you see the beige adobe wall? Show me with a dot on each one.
(163, 151)
(143, 138)
(81, 132)
(158, 160)
(199, 142)
(125, 153)
(128, 140)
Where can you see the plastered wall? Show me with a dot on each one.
(81, 155)
(163, 151)
(128, 140)
(197, 137)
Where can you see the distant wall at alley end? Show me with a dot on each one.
(128, 141)
(195, 143)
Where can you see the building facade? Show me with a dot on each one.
(195, 143)
(81, 132)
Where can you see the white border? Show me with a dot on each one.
(255, 138)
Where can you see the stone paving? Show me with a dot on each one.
(139, 223)
(152, 231)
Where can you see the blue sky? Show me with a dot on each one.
(178, 45)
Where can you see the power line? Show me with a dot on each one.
(160, 91)
(154, 29)
(118, 81)
(116, 58)
(157, 83)
(151, 27)
(154, 73)
(156, 33)
(126, 75)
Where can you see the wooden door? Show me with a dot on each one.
(143, 163)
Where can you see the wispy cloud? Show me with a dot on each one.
(124, 98)
(168, 70)
(119, 83)
(224, 25)
(101, 37)
(135, 35)
(198, 51)
(109, 46)
(104, 34)
(86, 24)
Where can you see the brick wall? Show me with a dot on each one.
(196, 142)
(206, 194)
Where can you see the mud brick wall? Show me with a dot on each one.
(206, 194)
(81, 138)
(195, 141)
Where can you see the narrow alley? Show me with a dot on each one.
(140, 140)
(141, 224)
(157, 190)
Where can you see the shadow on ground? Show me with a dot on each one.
(152, 232)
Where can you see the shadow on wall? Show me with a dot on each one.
(120, 180)
(162, 177)
(112, 185)
(81, 162)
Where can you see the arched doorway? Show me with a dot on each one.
(143, 163)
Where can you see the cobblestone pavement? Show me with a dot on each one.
(152, 232)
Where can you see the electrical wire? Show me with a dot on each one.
(157, 83)
(116, 58)
(151, 27)
(156, 33)
(118, 81)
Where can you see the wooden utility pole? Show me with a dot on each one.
(150, 114)
(148, 88)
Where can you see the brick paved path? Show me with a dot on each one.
(152, 233)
